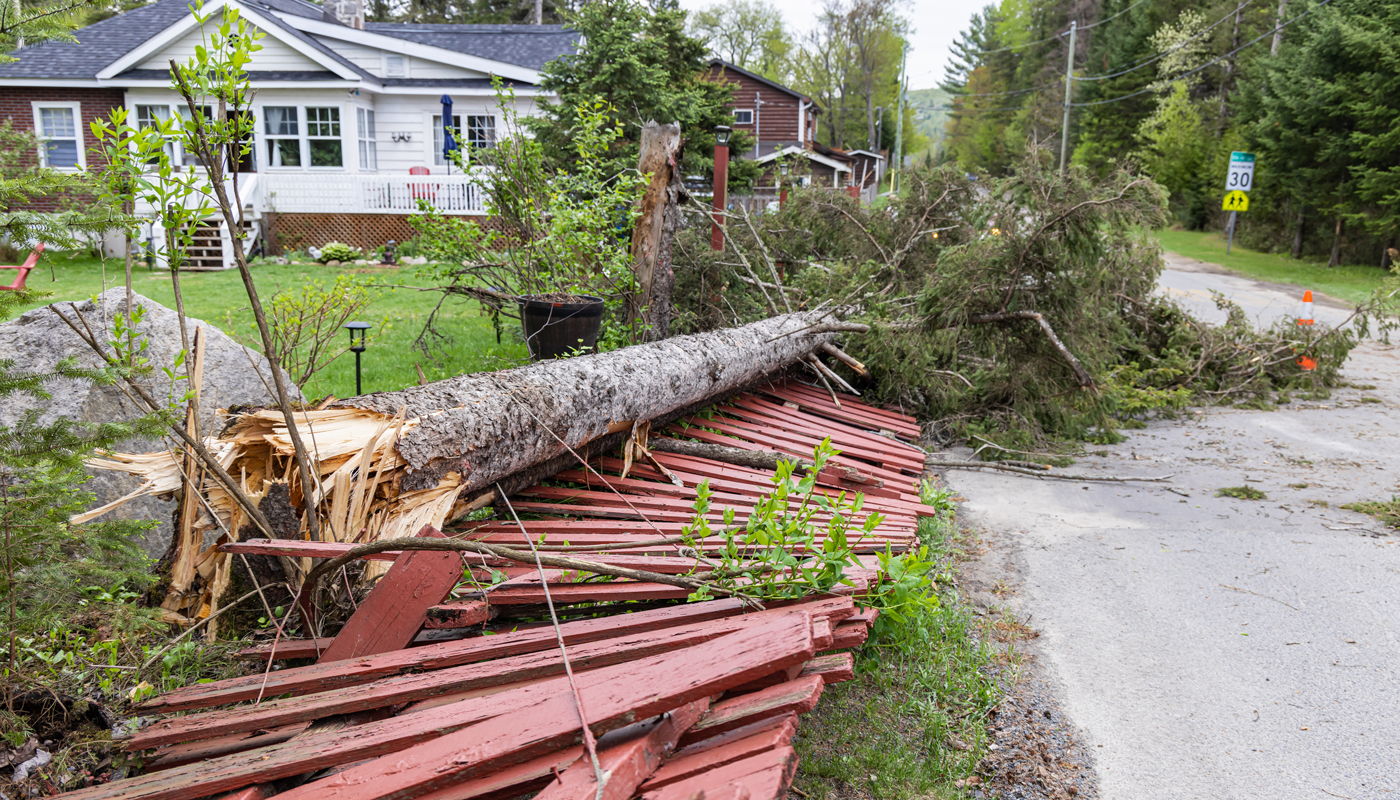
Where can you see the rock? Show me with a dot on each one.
(39, 339)
(360, 262)
(281, 260)
(333, 263)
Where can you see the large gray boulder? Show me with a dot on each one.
(233, 375)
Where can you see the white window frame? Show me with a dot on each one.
(307, 138)
(464, 131)
(435, 141)
(404, 59)
(265, 138)
(77, 109)
(739, 111)
(366, 139)
(172, 145)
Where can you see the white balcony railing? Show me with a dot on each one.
(311, 193)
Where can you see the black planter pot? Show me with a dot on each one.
(555, 330)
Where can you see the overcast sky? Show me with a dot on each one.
(937, 24)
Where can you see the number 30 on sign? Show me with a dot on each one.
(1236, 201)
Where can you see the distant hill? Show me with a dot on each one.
(929, 116)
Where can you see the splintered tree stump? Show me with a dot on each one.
(488, 426)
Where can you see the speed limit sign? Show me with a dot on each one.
(1241, 176)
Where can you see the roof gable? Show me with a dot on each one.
(725, 66)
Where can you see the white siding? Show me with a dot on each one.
(275, 55)
(371, 59)
(412, 115)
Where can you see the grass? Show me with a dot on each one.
(1387, 511)
(397, 316)
(1241, 493)
(913, 722)
(1353, 284)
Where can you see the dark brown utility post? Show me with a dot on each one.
(721, 186)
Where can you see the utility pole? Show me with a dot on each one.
(897, 163)
(1069, 87)
(1278, 25)
(539, 12)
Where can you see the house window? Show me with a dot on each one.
(58, 127)
(743, 116)
(154, 117)
(437, 136)
(189, 157)
(480, 132)
(395, 67)
(283, 141)
(323, 136)
(369, 155)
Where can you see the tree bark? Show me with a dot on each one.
(766, 460)
(1080, 373)
(655, 229)
(490, 426)
(1278, 23)
(1298, 235)
(1336, 257)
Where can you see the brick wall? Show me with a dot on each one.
(16, 103)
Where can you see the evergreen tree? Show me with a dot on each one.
(645, 66)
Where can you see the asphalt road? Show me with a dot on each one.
(1211, 647)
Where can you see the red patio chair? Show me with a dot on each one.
(29, 263)
(421, 191)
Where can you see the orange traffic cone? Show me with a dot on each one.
(1305, 311)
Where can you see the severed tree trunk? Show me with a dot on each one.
(490, 426)
(656, 227)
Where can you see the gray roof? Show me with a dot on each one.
(104, 42)
(98, 45)
(255, 75)
(529, 46)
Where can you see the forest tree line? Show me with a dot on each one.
(1312, 87)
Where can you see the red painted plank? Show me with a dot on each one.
(767, 776)
(324, 677)
(393, 612)
(260, 792)
(181, 754)
(832, 667)
(799, 696)
(511, 782)
(525, 723)
(286, 649)
(849, 634)
(611, 698)
(627, 763)
(411, 688)
(461, 614)
(736, 745)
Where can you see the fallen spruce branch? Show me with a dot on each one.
(1037, 473)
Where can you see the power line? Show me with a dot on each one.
(1041, 87)
(1217, 60)
(1139, 65)
(1115, 16)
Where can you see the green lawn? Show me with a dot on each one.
(397, 315)
(1353, 284)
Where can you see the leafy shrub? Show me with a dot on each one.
(338, 251)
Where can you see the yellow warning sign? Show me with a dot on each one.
(1236, 201)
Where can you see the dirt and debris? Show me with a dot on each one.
(1034, 752)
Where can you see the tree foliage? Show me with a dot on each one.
(747, 33)
(644, 66)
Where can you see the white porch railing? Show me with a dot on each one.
(311, 193)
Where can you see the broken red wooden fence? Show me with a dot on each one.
(690, 700)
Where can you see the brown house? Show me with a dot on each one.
(777, 116)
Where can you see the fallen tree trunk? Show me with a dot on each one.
(488, 426)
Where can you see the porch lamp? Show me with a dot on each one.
(357, 346)
(783, 168)
(721, 186)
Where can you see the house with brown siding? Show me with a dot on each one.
(777, 116)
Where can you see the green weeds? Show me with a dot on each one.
(1387, 511)
(1241, 493)
(913, 721)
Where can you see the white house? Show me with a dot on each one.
(348, 113)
